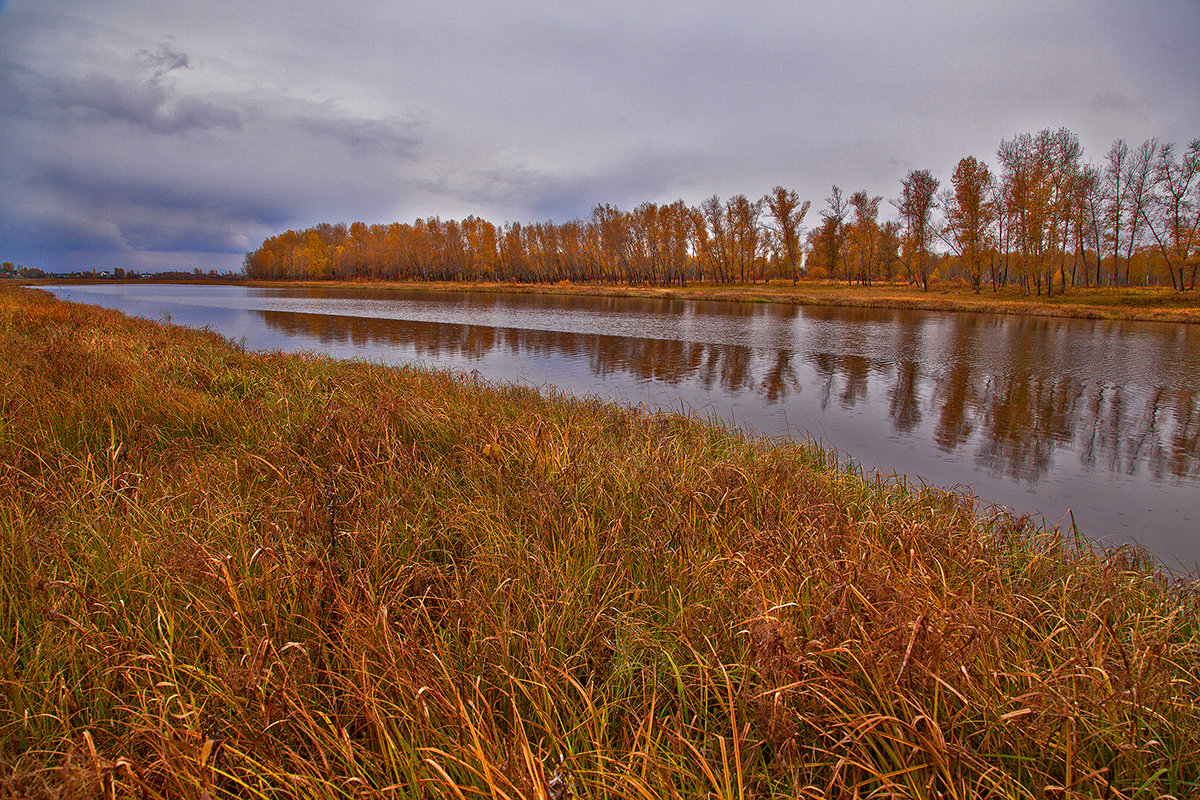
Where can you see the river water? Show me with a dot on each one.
(1040, 415)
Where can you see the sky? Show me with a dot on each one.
(161, 135)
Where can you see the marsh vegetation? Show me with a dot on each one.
(225, 573)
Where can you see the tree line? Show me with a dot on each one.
(10, 270)
(1042, 216)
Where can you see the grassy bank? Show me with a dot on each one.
(230, 574)
(1134, 303)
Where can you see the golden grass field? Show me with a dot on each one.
(237, 574)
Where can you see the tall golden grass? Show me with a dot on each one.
(229, 574)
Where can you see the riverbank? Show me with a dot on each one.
(1152, 304)
(257, 573)
(1134, 303)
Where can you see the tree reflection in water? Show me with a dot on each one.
(1009, 391)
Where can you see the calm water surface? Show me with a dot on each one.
(1037, 414)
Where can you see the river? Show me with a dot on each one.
(1099, 419)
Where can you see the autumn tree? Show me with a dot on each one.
(643, 247)
(1041, 211)
(999, 261)
(1173, 211)
(512, 256)
(481, 247)
(889, 249)
(1066, 159)
(1027, 173)
(657, 241)
(970, 215)
(862, 237)
(675, 236)
(720, 240)
(828, 240)
(787, 215)
(701, 243)
(741, 215)
(316, 256)
(917, 201)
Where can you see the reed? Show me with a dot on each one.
(225, 573)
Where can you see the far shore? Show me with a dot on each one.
(1156, 304)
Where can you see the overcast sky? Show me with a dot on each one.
(158, 135)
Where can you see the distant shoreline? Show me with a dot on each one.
(1146, 304)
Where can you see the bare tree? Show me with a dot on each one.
(1116, 191)
(1139, 183)
(1086, 208)
(1095, 201)
(1173, 214)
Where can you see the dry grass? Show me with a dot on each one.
(526, 596)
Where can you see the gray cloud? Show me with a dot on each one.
(1115, 102)
(362, 137)
(147, 104)
(653, 174)
(152, 127)
(115, 164)
(163, 60)
(99, 98)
